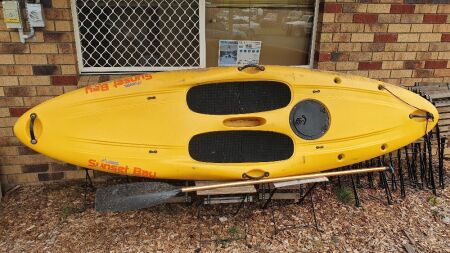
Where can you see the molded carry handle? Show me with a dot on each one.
(259, 67)
(33, 117)
(247, 176)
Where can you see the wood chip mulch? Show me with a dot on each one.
(52, 218)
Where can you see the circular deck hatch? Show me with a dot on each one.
(309, 119)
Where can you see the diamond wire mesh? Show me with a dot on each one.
(139, 33)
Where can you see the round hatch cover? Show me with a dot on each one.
(309, 119)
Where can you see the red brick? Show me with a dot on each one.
(402, 8)
(13, 48)
(23, 150)
(365, 18)
(413, 64)
(338, 56)
(64, 80)
(369, 65)
(423, 73)
(385, 37)
(324, 57)
(373, 47)
(35, 168)
(434, 19)
(46, 70)
(57, 14)
(436, 64)
(17, 112)
(20, 91)
(50, 176)
(58, 37)
(445, 37)
(332, 8)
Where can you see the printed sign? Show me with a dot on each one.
(228, 52)
(248, 52)
(238, 52)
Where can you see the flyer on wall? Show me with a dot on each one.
(239, 52)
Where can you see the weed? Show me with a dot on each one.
(233, 231)
(68, 210)
(433, 201)
(223, 242)
(344, 194)
(233, 234)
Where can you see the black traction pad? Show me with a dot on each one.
(241, 147)
(238, 97)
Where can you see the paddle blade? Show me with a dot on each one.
(133, 196)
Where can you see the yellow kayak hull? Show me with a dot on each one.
(144, 126)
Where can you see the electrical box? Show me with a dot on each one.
(11, 14)
(34, 12)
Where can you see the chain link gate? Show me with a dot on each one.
(139, 35)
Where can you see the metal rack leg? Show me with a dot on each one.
(393, 178)
(441, 161)
(387, 190)
(421, 165)
(269, 199)
(87, 185)
(355, 193)
(408, 165)
(430, 164)
(400, 174)
(314, 211)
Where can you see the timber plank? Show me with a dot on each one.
(246, 189)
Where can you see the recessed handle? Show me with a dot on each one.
(244, 122)
(253, 174)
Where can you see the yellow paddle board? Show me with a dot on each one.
(226, 123)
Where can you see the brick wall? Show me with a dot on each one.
(397, 41)
(390, 40)
(31, 73)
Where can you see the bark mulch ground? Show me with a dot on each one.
(51, 218)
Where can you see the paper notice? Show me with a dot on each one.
(239, 52)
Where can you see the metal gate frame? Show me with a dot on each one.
(313, 36)
(120, 70)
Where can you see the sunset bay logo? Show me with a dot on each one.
(126, 82)
(115, 167)
(131, 81)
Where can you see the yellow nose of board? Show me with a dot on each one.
(20, 128)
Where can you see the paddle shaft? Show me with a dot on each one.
(283, 179)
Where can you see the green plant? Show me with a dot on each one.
(233, 231)
(223, 241)
(68, 210)
(233, 234)
(433, 201)
(344, 194)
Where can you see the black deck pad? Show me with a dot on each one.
(238, 97)
(240, 147)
